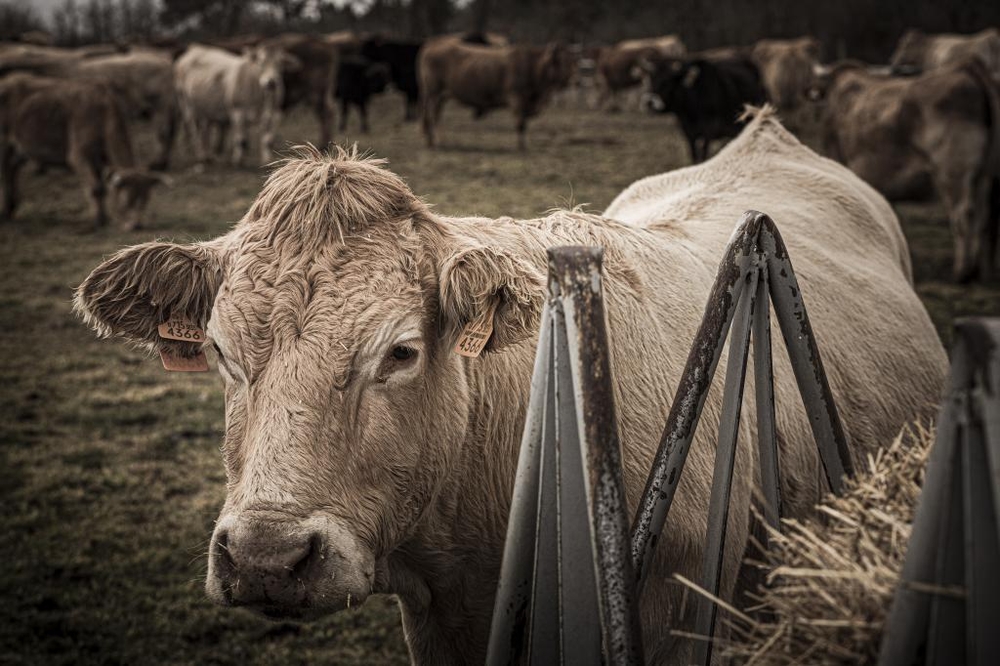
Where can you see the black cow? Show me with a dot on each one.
(706, 94)
(401, 58)
(358, 79)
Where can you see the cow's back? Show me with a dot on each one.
(850, 256)
(473, 75)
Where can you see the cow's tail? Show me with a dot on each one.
(117, 137)
(991, 89)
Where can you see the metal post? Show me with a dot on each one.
(722, 477)
(767, 439)
(955, 539)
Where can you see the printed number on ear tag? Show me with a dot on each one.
(476, 334)
(178, 328)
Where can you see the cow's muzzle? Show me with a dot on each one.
(287, 569)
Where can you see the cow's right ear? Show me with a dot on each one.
(142, 286)
(691, 75)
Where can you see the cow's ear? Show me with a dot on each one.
(479, 280)
(691, 75)
(140, 287)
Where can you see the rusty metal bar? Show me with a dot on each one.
(512, 606)
(722, 477)
(581, 292)
(579, 609)
(566, 593)
(685, 411)
(955, 539)
(807, 364)
(767, 440)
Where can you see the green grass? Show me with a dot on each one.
(110, 475)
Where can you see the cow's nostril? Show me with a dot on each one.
(313, 552)
(223, 558)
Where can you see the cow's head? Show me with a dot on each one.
(130, 190)
(556, 66)
(332, 309)
(270, 64)
(661, 79)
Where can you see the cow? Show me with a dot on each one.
(918, 52)
(244, 93)
(617, 66)
(365, 456)
(707, 95)
(401, 58)
(39, 59)
(359, 79)
(786, 69)
(142, 80)
(489, 77)
(913, 136)
(78, 124)
(309, 75)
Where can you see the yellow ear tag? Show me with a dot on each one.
(178, 328)
(476, 333)
(183, 330)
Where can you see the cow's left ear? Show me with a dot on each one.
(143, 286)
(476, 280)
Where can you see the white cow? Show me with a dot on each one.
(239, 92)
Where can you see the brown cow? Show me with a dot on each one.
(911, 136)
(786, 70)
(618, 66)
(489, 77)
(918, 52)
(78, 124)
(364, 456)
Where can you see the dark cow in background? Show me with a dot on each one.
(359, 78)
(490, 77)
(400, 56)
(77, 124)
(707, 94)
(616, 66)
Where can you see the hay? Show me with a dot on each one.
(830, 579)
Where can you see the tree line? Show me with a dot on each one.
(858, 28)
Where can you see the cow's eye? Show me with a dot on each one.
(403, 353)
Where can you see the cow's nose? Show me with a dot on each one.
(265, 570)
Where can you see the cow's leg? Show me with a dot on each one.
(90, 172)
(433, 105)
(344, 109)
(692, 146)
(166, 129)
(522, 128)
(238, 125)
(269, 129)
(10, 165)
(956, 188)
(194, 127)
(363, 110)
(410, 108)
(325, 110)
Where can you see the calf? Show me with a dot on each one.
(490, 77)
(706, 95)
(616, 65)
(245, 93)
(77, 124)
(357, 81)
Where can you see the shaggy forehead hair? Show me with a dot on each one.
(313, 198)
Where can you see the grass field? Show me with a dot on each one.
(110, 474)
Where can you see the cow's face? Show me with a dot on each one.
(661, 80)
(270, 64)
(332, 310)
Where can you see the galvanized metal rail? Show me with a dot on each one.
(570, 455)
(566, 592)
(947, 606)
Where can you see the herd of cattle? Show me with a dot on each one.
(928, 122)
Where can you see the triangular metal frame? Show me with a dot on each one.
(756, 265)
(947, 607)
